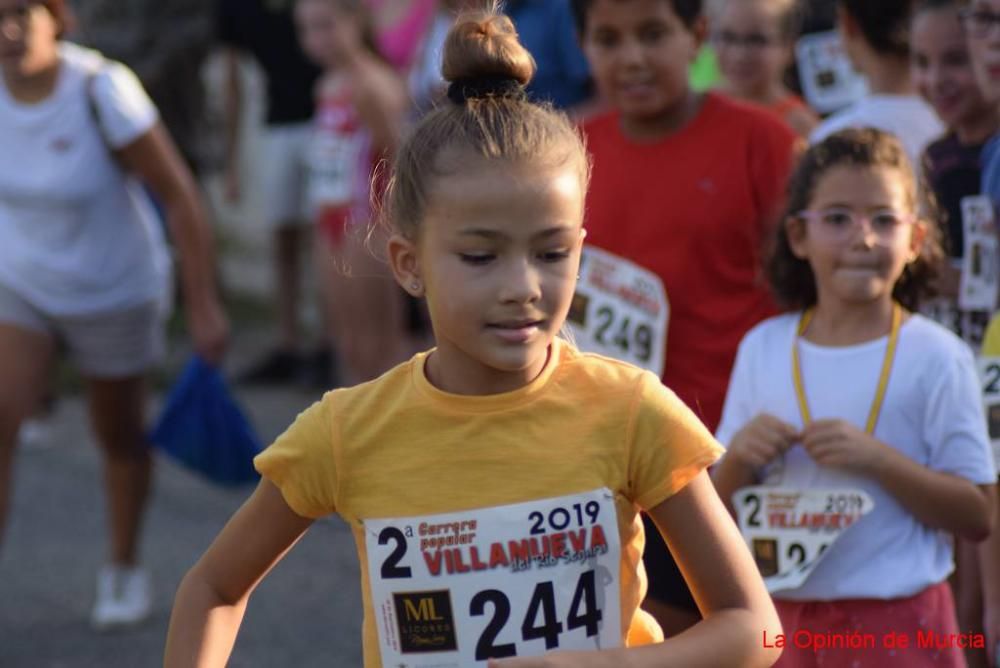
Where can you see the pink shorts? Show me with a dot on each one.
(866, 632)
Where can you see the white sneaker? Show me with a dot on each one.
(124, 597)
(35, 433)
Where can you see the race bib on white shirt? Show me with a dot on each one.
(829, 82)
(620, 310)
(989, 374)
(789, 530)
(333, 161)
(978, 286)
(456, 589)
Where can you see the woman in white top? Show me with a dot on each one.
(83, 261)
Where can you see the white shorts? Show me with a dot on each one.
(282, 174)
(116, 344)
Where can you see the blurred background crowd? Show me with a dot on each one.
(282, 111)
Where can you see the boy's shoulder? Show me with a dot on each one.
(725, 112)
(900, 114)
(601, 125)
(719, 117)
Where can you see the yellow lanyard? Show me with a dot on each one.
(883, 381)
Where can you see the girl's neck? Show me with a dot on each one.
(34, 84)
(457, 377)
(979, 128)
(670, 121)
(770, 94)
(839, 323)
(888, 76)
(355, 62)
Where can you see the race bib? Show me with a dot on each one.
(829, 82)
(333, 164)
(620, 310)
(989, 374)
(978, 287)
(457, 589)
(789, 530)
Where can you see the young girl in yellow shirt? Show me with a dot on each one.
(494, 483)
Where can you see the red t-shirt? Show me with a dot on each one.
(695, 208)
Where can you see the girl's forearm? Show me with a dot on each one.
(939, 500)
(193, 238)
(725, 638)
(203, 627)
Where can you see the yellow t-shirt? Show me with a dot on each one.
(399, 447)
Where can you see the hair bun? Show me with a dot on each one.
(483, 58)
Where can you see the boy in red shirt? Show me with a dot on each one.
(685, 185)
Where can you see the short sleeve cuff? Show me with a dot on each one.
(126, 111)
(679, 478)
(276, 469)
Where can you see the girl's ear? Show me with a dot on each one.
(795, 231)
(405, 264)
(699, 31)
(917, 238)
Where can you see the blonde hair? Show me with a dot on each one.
(497, 123)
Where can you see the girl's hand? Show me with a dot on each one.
(839, 444)
(762, 439)
(209, 329)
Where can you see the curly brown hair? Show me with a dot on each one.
(791, 278)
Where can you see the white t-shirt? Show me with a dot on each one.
(77, 236)
(911, 119)
(932, 413)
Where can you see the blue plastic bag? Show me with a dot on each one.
(204, 429)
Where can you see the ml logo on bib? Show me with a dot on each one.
(425, 621)
(454, 590)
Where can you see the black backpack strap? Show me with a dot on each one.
(95, 113)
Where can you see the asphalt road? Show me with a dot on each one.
(307, 613)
